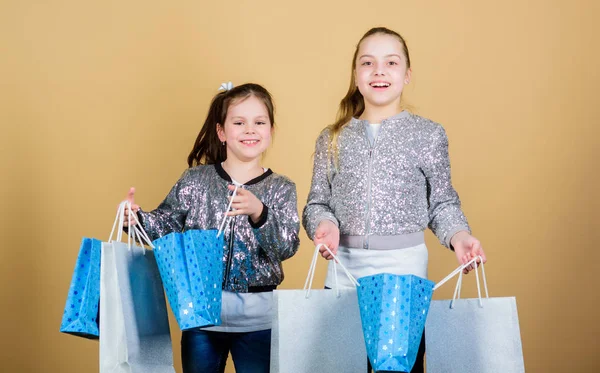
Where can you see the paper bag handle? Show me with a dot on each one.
(222, 225)
(459, 271)
(313, 266)
(135, 232)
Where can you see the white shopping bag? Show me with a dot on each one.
(317, 330)
(134, 326)
(479, 335)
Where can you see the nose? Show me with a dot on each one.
(250, 128)
(379, 71)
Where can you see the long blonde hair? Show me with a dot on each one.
(353, 104)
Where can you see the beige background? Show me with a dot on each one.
(99, 96)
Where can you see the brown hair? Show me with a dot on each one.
(353, 104)
(207, 147)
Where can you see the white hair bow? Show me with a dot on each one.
(226, 86)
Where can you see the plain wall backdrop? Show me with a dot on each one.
(100, 96)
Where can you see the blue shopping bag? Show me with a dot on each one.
(191, 267)
(393, 310)
(80, 316)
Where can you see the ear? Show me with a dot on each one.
(408, 76)
(221, 132)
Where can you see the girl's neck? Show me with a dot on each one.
(242, 172)
(376, 114)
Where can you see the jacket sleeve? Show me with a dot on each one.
(317, 206)
(277, 230)
(170, 215)
(445, 215)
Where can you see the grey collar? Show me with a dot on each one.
(400, 115)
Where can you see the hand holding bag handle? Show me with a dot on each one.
(459, 271)
(222, 225)
(313, 266)
(135, 232)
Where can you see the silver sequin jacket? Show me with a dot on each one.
(399, 185)
(253, 252)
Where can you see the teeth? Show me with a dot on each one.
(249, 141)
(380, 85)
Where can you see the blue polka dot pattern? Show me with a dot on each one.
(191, 267)
(80, 316)
(393, 309)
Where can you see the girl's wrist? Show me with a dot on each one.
(256, 217)
(257, 221)
(457, 237)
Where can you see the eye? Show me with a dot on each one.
(393, 63)
(367, 63)
(261, 122)
(238, 123)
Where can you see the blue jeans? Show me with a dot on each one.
(206, 352)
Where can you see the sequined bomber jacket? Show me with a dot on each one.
(253, 252)
(401, 184)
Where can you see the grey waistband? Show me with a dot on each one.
(373, 242)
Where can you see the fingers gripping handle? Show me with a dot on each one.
(222, 225)
(313, 266)
(135, 231)
(459, 271)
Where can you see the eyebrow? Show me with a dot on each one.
(388, 55)
(244, 118)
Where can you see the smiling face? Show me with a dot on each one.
(381, 71)
(247, 129)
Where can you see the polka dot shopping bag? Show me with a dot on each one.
(191, 267)
(80, 316)
(393, 310)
